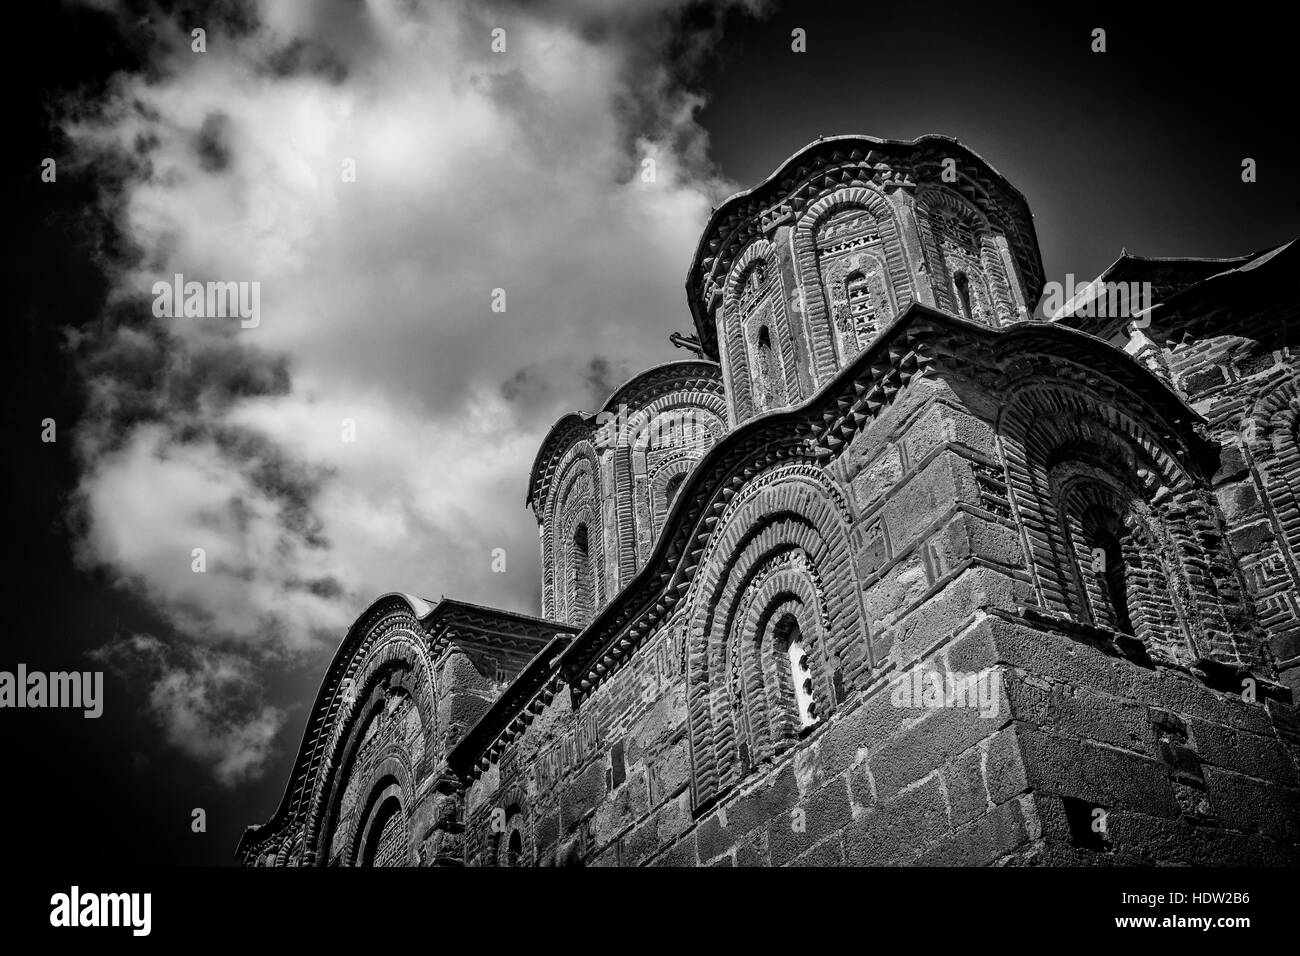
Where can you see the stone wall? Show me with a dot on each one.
(1247, 392)
(1078, 743)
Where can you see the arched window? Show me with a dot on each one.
(507, 848)
(862, 308)
(580, 571)
(1124, 558)
(771, 677)
(799, 675)
(961, 285)
(386, 840)
(770, 394)
(1103, 533)
(976, 288)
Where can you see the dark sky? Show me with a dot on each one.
(1139, 147)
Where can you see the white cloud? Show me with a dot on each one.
(475, 171)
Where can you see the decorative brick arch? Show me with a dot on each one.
(1047, 424)
(514, 802)
(791, 508)
(399, 663)
(394, 774)
(785, 588)
(739, 315)
(575, 497)
(657, 483)
(1271, 439)
(289, 852)
(991, 293)
(646, 482)
(849, 336)
(712, 405)
(760, 251)
(690, 390)
(825, 357)
(578, 585)
(296, 826)
(386, 807)
(1151, 600)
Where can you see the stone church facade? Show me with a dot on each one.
(899, 570)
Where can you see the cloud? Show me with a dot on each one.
(474, 171)
(207, 702)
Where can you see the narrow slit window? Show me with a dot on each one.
(962, 285)
(801, 679)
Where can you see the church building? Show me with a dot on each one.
(902, 567)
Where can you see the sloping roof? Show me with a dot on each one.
(1189, 292)
(1167, 276)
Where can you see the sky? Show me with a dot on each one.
(384, 175)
